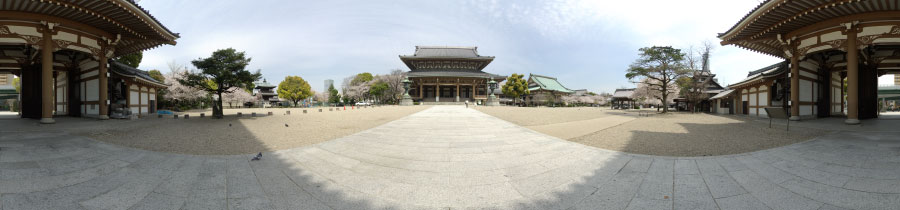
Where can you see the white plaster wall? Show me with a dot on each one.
(60, 94)
(887, 40)
(145, 101)
(92, 109)
(836, 98)
(807, 42)
(806, 110)
(133, 98)
(832, 36)
(805, 89)
(752, 111)
(152, 97)
(719, 108)
(60, 98)
(815, 93)
(83, 96)
(807, 74)
(89, 42)
(809, 65)
(874, 30)
(12, 40)
(79, 48)
(92, 90)
(723, 110)
(819, 48)
(24, 30)
(89, 74)
(753, 99)
(62, 35)
(764, 99)
(88, 64)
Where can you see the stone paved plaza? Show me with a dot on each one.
(448, 157)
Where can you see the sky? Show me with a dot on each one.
(586, 44)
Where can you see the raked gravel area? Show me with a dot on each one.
(672, 134)
(245, 134)
(448, 157)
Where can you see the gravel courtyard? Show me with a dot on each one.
(674, 134)
(244, 135)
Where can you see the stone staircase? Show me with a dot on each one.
(443, 103)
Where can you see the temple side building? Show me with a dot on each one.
(623, 98)
(131, 92)
(448, 75)
(545, 90)
(61, 50)
(823, 43)
(765, 87)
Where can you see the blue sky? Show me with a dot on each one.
(585, 44)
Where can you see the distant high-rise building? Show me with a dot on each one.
(6, 79)
(328, 84)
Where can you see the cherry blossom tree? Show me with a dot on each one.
(178, 91)
(237, 96)
(648, 92)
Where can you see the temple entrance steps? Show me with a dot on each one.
(443, 103)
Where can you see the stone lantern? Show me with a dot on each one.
(406, 100)
(492, 99)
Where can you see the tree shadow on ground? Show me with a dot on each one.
(122, 177)
(620, 180)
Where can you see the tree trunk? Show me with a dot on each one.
(665, 101)
(217, 107)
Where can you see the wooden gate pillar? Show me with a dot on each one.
(47, 84)
(852, 76)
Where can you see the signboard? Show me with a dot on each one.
(778, 113)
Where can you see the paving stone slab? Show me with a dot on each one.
(493, 165)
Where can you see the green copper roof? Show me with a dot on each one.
(546, 83)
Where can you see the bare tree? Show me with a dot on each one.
(693, 86)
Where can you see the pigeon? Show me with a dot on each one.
(258, 156)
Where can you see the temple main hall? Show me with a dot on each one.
(449, 75)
